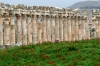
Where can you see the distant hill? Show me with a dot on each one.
(87, 5)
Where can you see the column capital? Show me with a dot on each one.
(23, 16)
(53, 16)
(44, 17)
(72, 17)
(34, 17)
(11, 15)
(18, 16)
(48, 16)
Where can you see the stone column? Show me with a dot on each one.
(87, 28)
(97, 28)
(44, 37)
(39, 30)
(76, 29)
(83, 27)
(19, 30)
(24, 30)
(48, 28)
(53, 29)
(57, 28)
(94, 27)
(1, 31)
(34, 27)
(99, 25)
(73, 27)
(65, 35)
(12, 27)
(29, 29)
(6, 30)
(69, 28)
(80, 28)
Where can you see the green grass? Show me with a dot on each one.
(76, 53)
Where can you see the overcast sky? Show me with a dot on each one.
(57, 3)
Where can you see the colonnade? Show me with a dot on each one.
(20, 24)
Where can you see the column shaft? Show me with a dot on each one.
(57, 28)
(29, 27)
(12, 27)
(65, 36)
(24, 30)
(6, 32)
(1, 31)
(44, 37)
(69, 29)
(48, 29)
(34, 27)
(53, 29)
(19, 30)
(39, 30)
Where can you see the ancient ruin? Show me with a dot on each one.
(23, 25)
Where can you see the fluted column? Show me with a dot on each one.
(53, 29)
(6, 30)
(44, 35)
(1, 31)
(39, 30)
(48, 28)
(65, 35)
(12, 27)
(34, 27)
(19, 30)
(24, 30)
(29, 29)
(69, 28)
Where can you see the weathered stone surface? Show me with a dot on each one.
(36, 24)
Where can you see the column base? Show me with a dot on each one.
(18, 44)
(56, 40)
(7, 46)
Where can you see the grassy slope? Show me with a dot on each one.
(78, 53)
